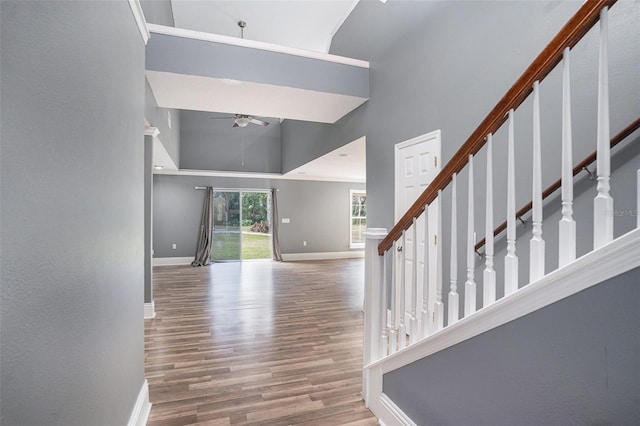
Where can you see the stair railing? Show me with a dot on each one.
(384, 334)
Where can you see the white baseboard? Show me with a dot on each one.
(142, 408)
(150, 310)
(293, 257)
(171, 261)
(394, 415)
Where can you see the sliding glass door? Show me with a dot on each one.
(242, 225)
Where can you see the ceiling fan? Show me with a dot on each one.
(243, 120)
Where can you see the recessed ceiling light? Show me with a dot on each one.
(231, 82)
(157, 167)
(344, 155)
(300, 173)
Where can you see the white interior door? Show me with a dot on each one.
(417, 163)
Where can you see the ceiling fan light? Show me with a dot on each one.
(242, 121)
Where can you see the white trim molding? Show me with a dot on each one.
(150, 310)
(294, 257)
(141, 22)
(252, 44)
(253, 175)
(142, 407)
(172, 261)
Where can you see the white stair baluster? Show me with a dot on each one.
(413, 317)
(393, 336)
(402, 331)
(638, 203)
(536, 244)
(470, 284)
(438, 308)
(567, 226)
(603, 203)
(489, 274)
(384, 342)
(511, 260)
(453, 289)
(425, 323)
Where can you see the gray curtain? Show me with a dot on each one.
(275, 239)
(205, 237)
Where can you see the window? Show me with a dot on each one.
(358, 222)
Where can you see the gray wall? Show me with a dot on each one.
(159, 117)
(576, 361)
(319, 212)
(166, 53)
(72, 213)
(214, 144)
(158, 12)
(455, 60)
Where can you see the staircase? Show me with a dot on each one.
(412, 350)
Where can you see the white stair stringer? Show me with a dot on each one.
(613, 259)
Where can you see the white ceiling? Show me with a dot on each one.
(347, 163)
(198, 93)
(304, 24)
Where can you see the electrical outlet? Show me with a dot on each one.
(174, 247)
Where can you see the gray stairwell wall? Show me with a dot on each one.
(319, 212)
(576, 361)
(158, 12)
(72, 212)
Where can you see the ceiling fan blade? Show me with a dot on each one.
(258, 122)
(235, 125)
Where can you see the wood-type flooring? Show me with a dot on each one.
(257, 343)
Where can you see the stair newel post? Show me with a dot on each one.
(402, 331)
(413, 317)
(567, 226)
(425, 323)
(603, 203)
(470, 284)
(536, 244)
(373, 279)
(511, 260)
(384, 339)
(489, 274)
(438, 308)
(393, 335)
(453, 274)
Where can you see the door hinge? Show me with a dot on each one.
(435, 161)
(435, 240)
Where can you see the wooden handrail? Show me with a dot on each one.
(556, 185)
(570, 34)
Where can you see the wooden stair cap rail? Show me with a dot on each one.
(570, 34)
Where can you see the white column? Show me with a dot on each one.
(402, 331)
(470, 284)
(536, 244)
(384, 339)
(425, 281)
(603, 203)
(567, 226)
(511, 260)
(372, 294)
(413, 317)
(393, 335)
(489, 274)
(454, 298)
(438, 308)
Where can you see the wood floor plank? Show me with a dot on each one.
(257, 343)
